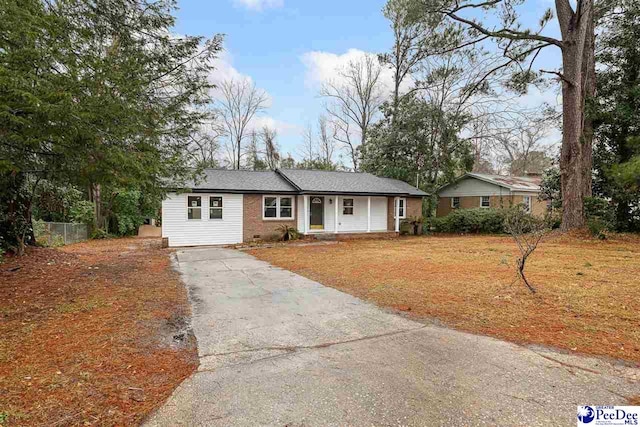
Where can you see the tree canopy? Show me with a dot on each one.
(96, 93)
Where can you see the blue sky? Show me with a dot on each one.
(288, 47)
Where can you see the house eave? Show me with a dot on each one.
(297, 193)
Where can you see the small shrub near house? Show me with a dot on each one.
(479, 220)
(287, 233)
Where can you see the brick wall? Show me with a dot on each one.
(254, 225)
(414, 208)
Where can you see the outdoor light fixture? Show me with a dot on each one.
(330, 201)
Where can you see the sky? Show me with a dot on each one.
(289, 47)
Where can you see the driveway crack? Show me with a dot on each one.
(295, 348)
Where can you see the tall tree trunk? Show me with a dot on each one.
(589, 73)
(96, 198)
(571, 164)
(577, 52)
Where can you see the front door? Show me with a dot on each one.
(316, 219)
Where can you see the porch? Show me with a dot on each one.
(344, 215)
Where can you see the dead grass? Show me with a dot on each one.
(588, 296)
(88, 334)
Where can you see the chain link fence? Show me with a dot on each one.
(60, 233)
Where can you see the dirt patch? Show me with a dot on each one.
(93, 334)
(588, 298)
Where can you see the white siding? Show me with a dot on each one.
(473, 187)
(378, 214)
(184, 232)
(300, 213)
(329, 213)
(358, 221)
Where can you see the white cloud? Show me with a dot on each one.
(283, 128)
(322, 67)
(259, 5)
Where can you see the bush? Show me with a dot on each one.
(287, 233)
(82, 212)
(600, 216)
(100, 233)
(478, 220)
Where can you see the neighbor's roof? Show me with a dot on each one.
(240, 181)
(300, 181)
(318, 181)
(514, 183)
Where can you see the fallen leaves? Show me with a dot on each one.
(469, 282)
(87, 333)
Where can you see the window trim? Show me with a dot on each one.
(278, 217)
(221, 208)
(488, 200)
(353, 206)
(190, 207)
(404, 208)
(453, 206)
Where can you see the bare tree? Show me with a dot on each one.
(308, 148)
(240, 102)
(271, 149)
(527, 231)
(204, 145)
(354, 100)
(326, 142)
(252, 155)
(522, 147)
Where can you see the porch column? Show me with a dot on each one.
(306, 213)
(369, 214)
(335, 214)
(396, 210)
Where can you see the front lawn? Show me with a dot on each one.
(588, 296)
(92, 334)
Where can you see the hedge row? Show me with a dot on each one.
(477, 220)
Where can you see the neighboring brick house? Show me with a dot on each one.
(479, 190)
(233, 206)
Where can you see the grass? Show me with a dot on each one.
(87, 334)
(588, 298)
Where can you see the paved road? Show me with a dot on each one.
(277, 349)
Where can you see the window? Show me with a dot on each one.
(215, 207)
(286, 207)
(526, 201)
(194, 207)
(401, 208)
(455, 202)
(277, 207)
(347, 206)
(484, 202)
(270, 207)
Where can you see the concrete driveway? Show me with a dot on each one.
(277, 349)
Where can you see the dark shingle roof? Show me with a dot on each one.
(407, 188)
(309, 181)
(300, 181)
(242, 181)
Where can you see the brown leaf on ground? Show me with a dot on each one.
(470, 283)
(88, 333)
